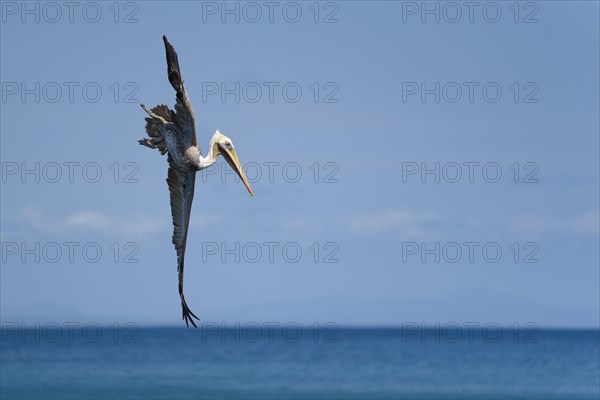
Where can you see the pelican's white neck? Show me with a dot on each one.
(212, 155)
(206, 162)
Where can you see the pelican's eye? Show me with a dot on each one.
(229, 146)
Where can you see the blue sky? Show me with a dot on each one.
(364, 129)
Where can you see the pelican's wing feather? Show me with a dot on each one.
(184, 115)
(181, 187)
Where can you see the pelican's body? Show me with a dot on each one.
(174, 132)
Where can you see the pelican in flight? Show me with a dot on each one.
(174, 132)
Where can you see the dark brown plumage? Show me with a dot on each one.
(174, 132)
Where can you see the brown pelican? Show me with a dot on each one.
(174, 132)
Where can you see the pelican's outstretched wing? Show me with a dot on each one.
(184, 112)
(181, 186)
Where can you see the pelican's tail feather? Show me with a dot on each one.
(159, 116)
(187, 314)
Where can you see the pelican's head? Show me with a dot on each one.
(224, 146)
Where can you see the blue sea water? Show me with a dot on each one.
(257, 362)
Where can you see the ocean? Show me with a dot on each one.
(269, 361)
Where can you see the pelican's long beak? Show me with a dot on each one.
(233, 161)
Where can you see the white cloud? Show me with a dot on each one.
(411, 223)
(586, 223)
(536, 223)
(137, 225)
(88, 219)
